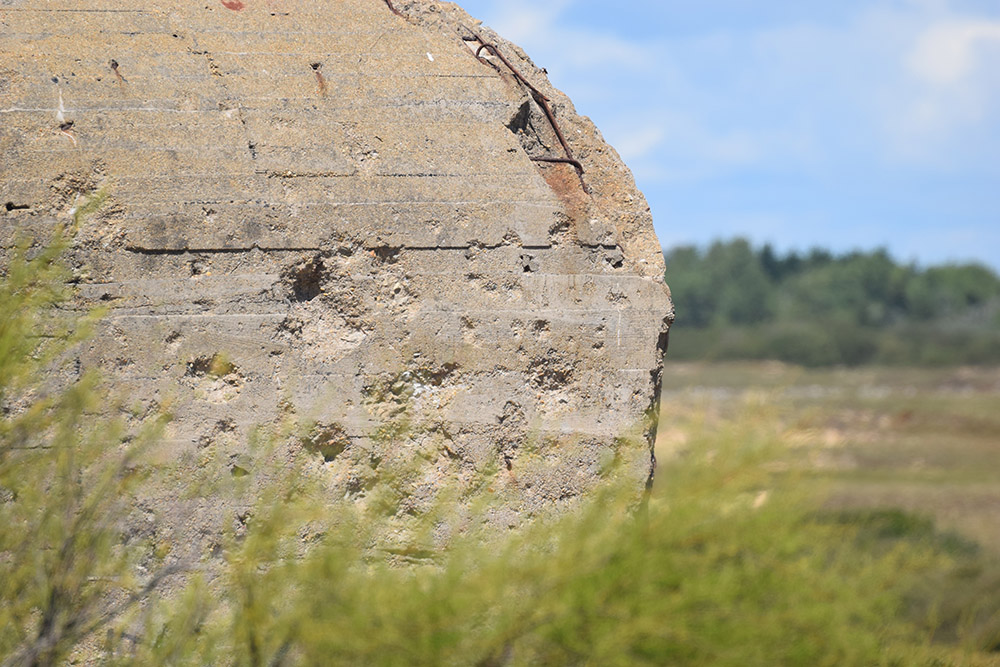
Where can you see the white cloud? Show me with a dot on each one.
(552, 40)
(949, 88)
(909, 81)
(913, 83)
(946, 53)
(522, 22)
(585, 49)
(639, 142)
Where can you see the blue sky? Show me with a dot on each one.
(842, 124)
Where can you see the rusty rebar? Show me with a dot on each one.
(561, 160)
(114, 68)
(520, 77)
(66, 129)
(320, 81)
(395, 11)
(543, 102)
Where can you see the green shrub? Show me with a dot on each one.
(729, 563)
(64, 474)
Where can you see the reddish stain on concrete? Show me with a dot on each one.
(563, 180)
(234, 5)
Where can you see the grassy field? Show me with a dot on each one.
(923, 440)
(911, 454)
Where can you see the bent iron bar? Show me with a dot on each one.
(539, 98)
(543, 102)
(393, 9)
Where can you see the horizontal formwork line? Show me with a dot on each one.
(200, 316)
(346, 54)
(192, 34)
(237, 151)
(350, 373)
(254, 279)
(609, 277)
(147, 213)
(297, 33)
(539, 312)
(240, 291)
(490, 202)
(272, 110)
(233, 296)
(68, 110)
(291, 177)
(215, 251)
(237, 147)
(164, 31)
(82, 11)
(611, 333)
(135, 78)
(575, 429)
(511, 311)
(279, 173)
(474, 372)
(329, 76)
(253, 74)
(331, 117)
(184, 49)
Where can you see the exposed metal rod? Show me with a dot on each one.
(542, 102)
(393, 9)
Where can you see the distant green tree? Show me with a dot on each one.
(858, 288)
(726, 284)
(739, 278)
(819, 308)
(691, 285)
(949, 290)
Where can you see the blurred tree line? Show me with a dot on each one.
(738, 301)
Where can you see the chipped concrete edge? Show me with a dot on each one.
(611, 183)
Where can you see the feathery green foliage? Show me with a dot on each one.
(729, 563)
(64, 474)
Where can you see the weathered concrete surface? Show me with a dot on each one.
(324, 209)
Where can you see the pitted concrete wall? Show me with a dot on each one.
(326, 209)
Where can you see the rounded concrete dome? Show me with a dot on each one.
(330, 210)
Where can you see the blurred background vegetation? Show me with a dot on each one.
(735, 301)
